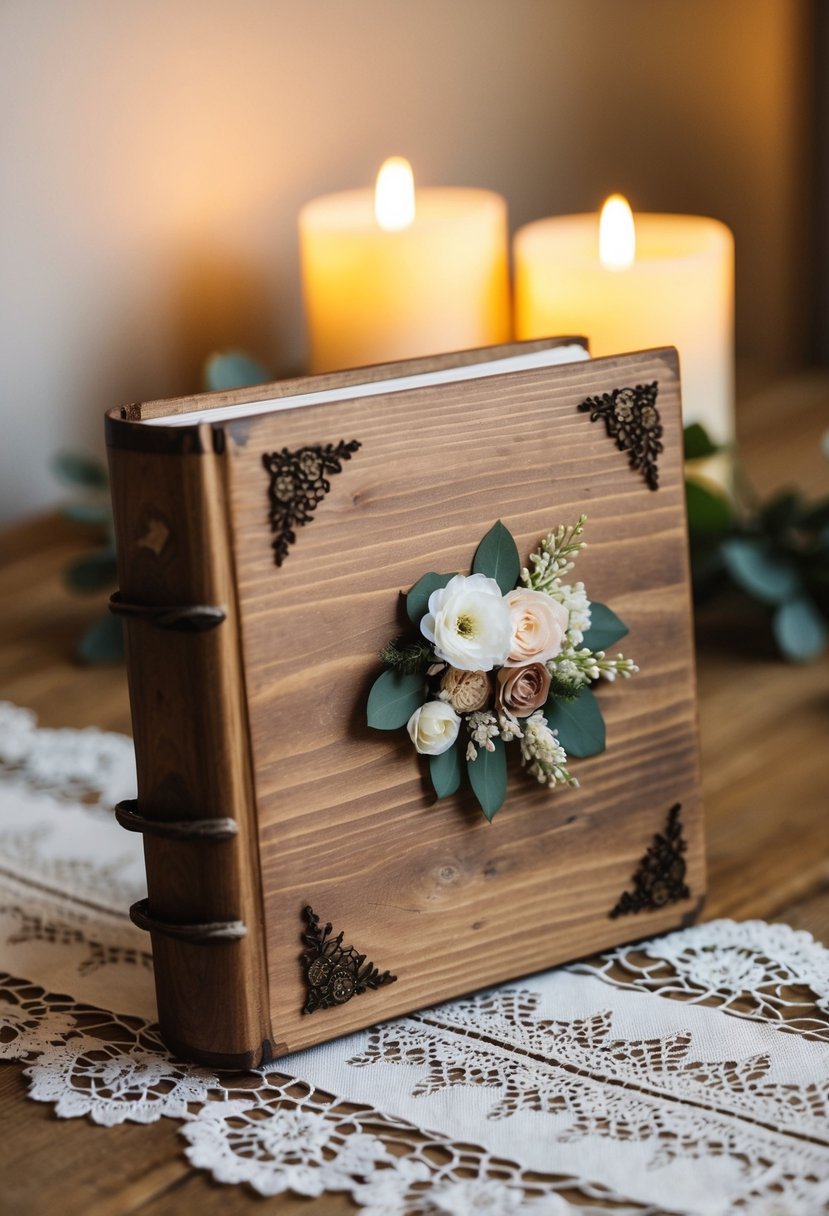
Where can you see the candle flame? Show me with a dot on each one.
(394, 195)
(617, 234)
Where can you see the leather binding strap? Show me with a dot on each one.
(211, 933)
(127, 814)
(192, 618)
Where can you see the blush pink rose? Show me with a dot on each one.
(538, 626)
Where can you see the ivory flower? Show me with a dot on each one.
(539, 624)
(469, 623)
(433, 728)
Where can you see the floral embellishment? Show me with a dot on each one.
(504, 654)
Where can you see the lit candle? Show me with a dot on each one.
(665, 280)
(394, 273)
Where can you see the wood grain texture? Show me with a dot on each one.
(190, 730)
(49, 1163)
(347, 821)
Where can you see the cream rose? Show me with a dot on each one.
(433, 728)
(466, 691)
(469, 623)
(538, 626)
(522, 690)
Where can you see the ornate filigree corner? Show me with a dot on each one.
(632, 420)
(334, 973)
(298, 484)
(660, 878)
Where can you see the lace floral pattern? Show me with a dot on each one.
(609, 1081)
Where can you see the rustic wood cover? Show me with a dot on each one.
(347, 821)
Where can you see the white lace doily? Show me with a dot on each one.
(689, 1074)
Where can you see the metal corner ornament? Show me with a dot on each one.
(298, 484)
(632, 420)
(334, 973)
(660, 877)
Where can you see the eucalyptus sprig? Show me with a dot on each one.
(775, 553)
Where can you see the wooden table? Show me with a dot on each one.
(765, 743)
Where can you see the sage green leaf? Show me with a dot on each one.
(605, 627)
(708, 512)
(103, 642)
(446, 771)
(579, 723)
(799, 629)
(393, 699)
(497, 557)
(92, 573)
(488, 778)
(417, 601)
(698, 443)
(76, 470)
(766, 573)
(233, 369)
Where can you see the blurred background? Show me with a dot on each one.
(156, 153)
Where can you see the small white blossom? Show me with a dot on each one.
(483, 728)
(574, 598)
(543, 755)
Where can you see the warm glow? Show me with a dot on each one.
(617, 234)
(394, 194)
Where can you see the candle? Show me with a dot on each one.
(663, 280)
(394, 273)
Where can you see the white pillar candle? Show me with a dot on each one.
(675, 289)
(426, 272)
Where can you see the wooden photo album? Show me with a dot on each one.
(412, 682)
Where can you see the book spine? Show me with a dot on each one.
(195, 804)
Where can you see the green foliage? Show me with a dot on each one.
(605, 628)
(80, 472)
(233, 369)
(759, 568)
(488, 778)
(393, 699)
(698, 443)
(409, 659)
(446, 771)
(709, 513)
(799, 629)
(777, 553)
(103, 642)
(580, 725)
(92, 572)
(417, 601)
(497, 557)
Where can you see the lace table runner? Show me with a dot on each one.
(689, 1074)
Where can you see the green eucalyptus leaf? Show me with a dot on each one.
(580, 725)
(74, 469)
(446, 771)
(233, 369)
(799, 629)
(708, 512)
(94, 572)
(103, 642)
(488, 778)
(785, 511)
(765, 572)
(497, 557)
(605, 627)
(417, 600)
(393, 699)
(698, 443)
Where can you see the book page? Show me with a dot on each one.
(472, 371)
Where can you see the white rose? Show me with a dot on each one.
(433, 728)
(469, 623)
(538, 622)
